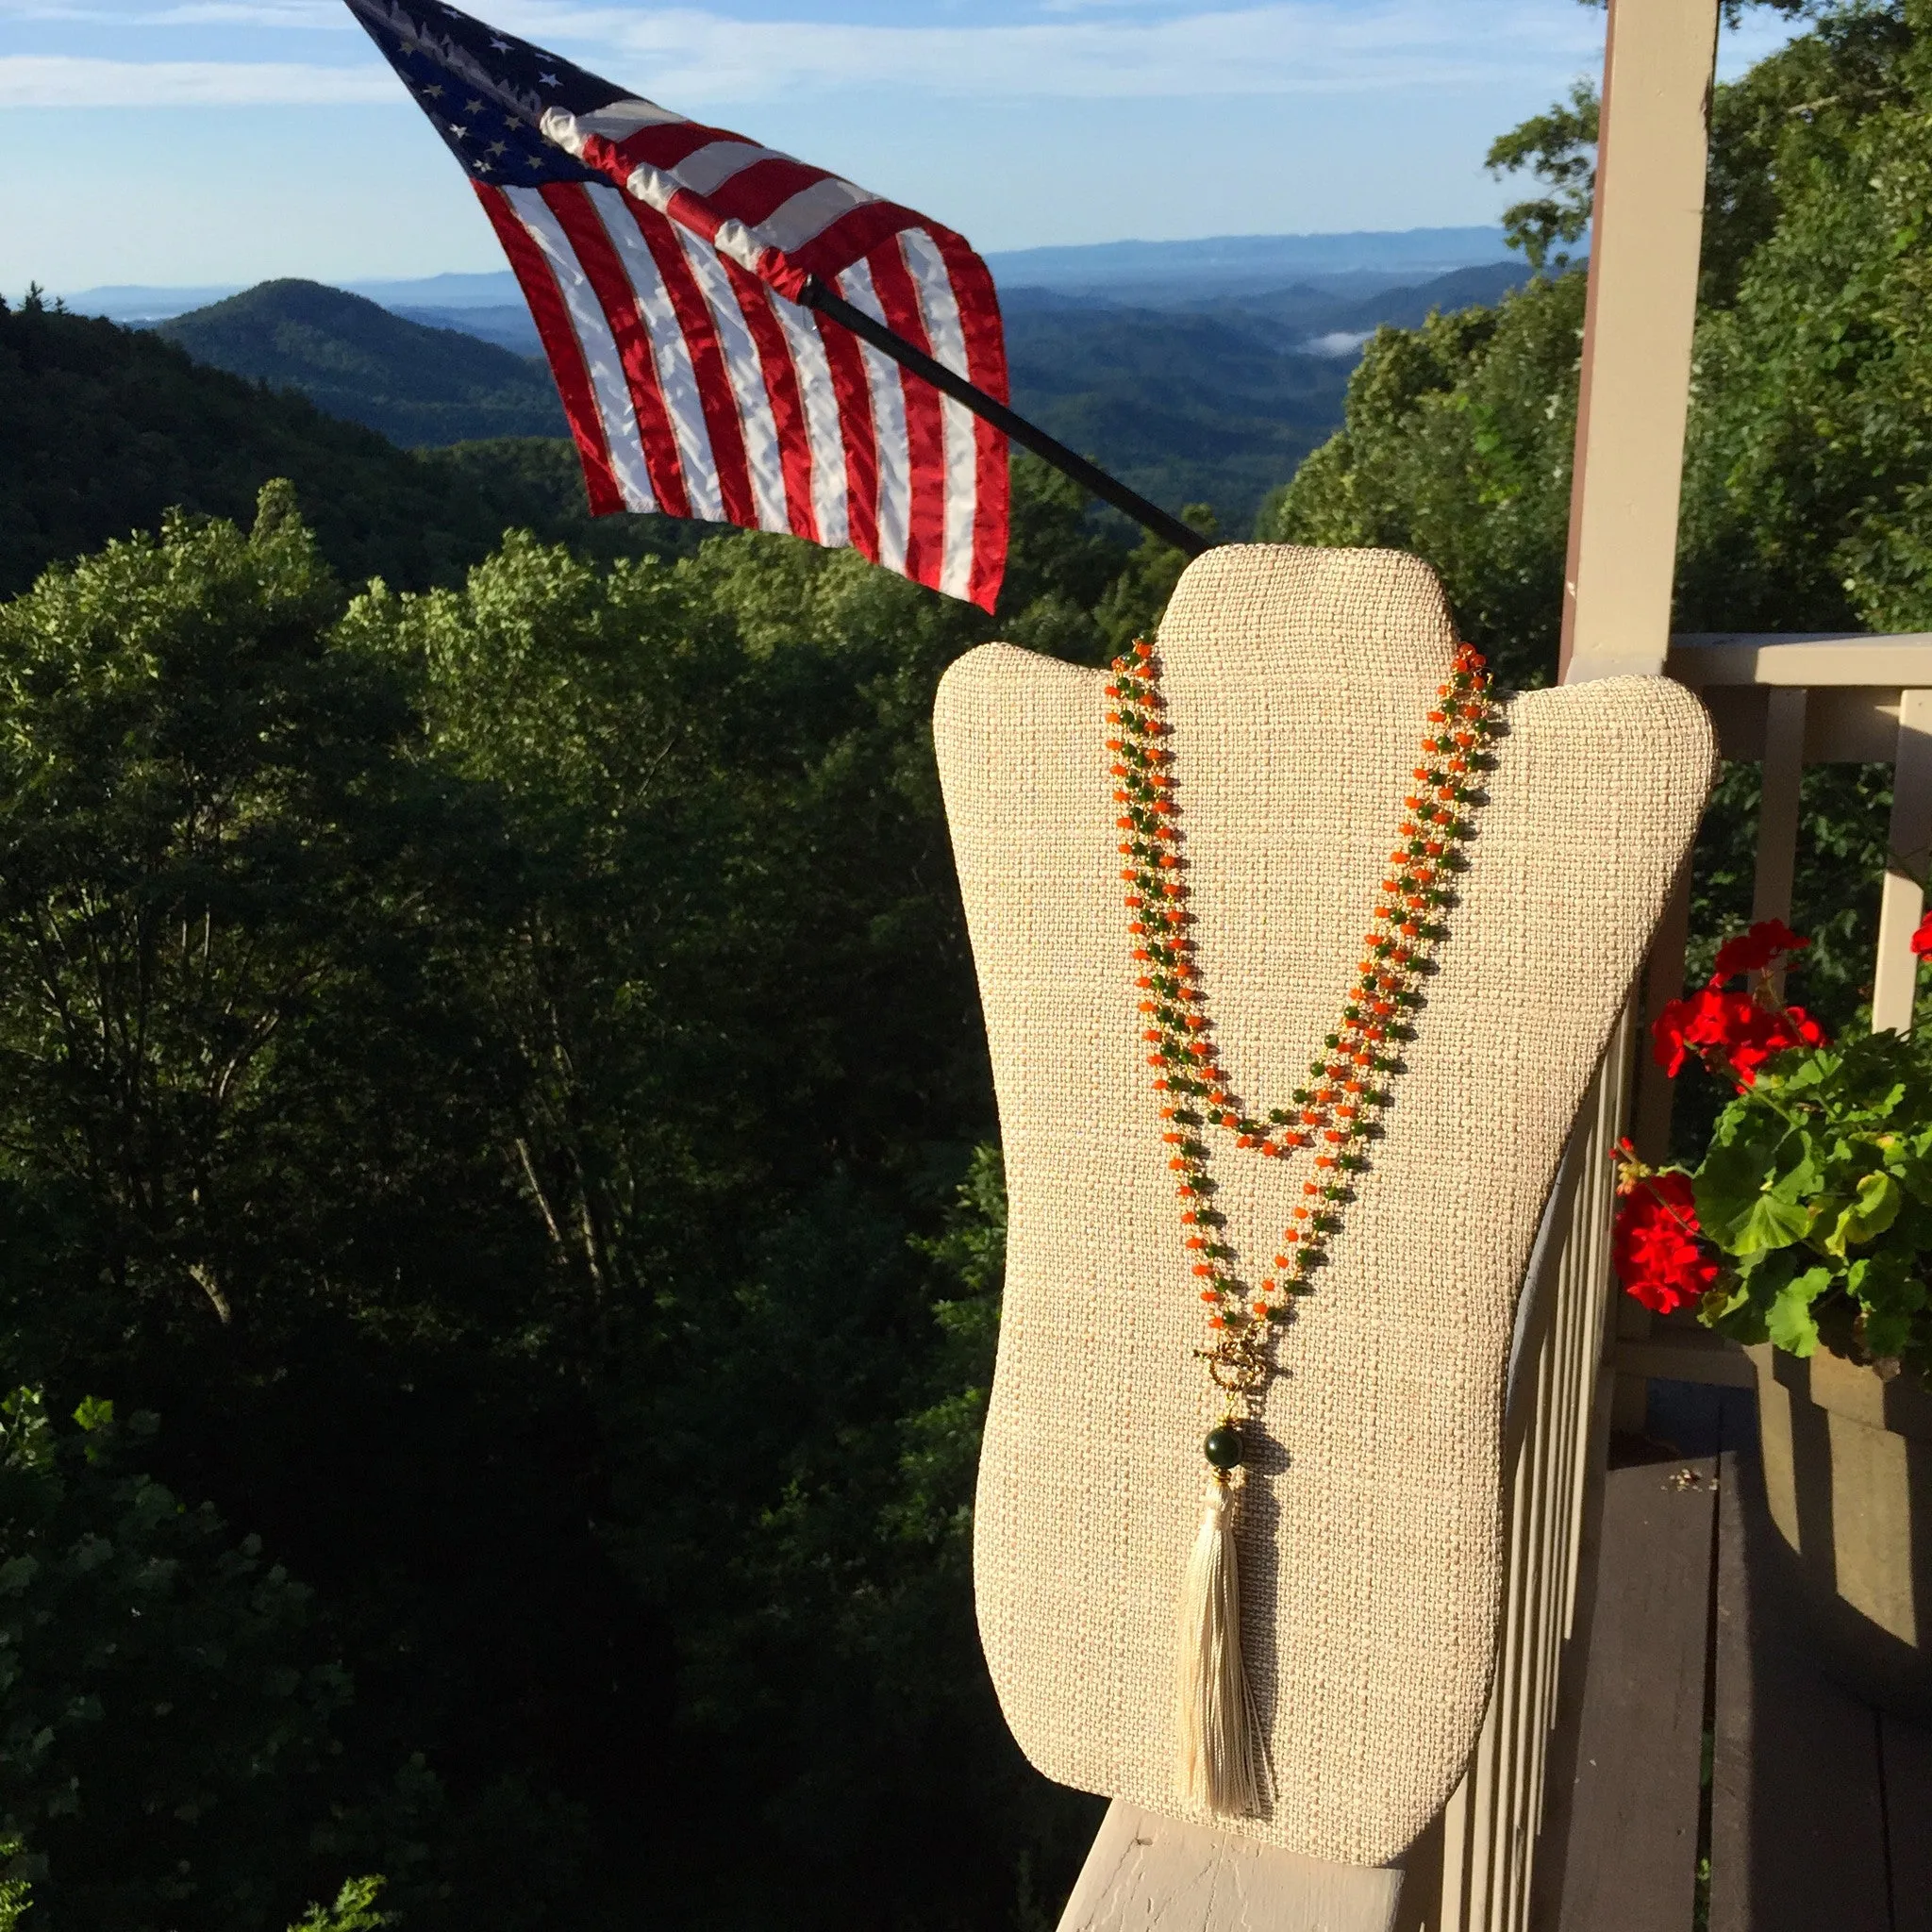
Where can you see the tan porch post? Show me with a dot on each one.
(1648, 227)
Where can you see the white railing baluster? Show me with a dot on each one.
(1491, 1825)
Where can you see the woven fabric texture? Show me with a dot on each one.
(1371, 1527)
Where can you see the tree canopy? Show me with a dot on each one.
(497, 1070)
(1804, 506)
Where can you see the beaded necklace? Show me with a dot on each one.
(1329, 1120)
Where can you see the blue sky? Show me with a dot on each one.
(224, 141)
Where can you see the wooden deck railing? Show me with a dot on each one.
(1585, 1357)
(1788, 701)
(1557, 1421)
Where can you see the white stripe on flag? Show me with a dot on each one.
(706, 169)
(620, 120)
(830, 487)
(889, 425)
(747, 376)
(605, 366)
(794, 223)
(940, 307)
(669, 354)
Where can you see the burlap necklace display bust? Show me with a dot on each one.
(1371, 1528)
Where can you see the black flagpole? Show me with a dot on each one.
(1097, 482)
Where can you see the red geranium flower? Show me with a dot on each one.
(1752, 951)
(1653, 1245)
(1921, 939)
(1735, 1033)
(1670, 1034)
(1768, 1030)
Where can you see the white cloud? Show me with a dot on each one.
(1290, 47)
(325, 14)
(59, 80)
(691, 58)
(1337, 342)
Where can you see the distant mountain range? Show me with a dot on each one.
(1216, 403)
(1163, 275)
(1150, 274)
(1215, 400)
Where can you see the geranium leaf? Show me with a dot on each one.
(1871, 1211)
(1913, 1167)
(1813, 1070)
(1788, 1320)
(1803, 1176)
(1767, 1223)
(1888, 1295)
(1731, 1181)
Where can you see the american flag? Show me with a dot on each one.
(663, 261)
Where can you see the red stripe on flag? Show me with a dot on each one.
(986, 368)
(570, 202)
(783, 393)
(861, 441)
(560, 348)
(748, 194)
(841, 243)
(752, 193)
(666, 143)
(708, 366)
(926, 432)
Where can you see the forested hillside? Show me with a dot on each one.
(418, 385)
(104, 427)
(500, 1227)
(1198, 397)
(494, 1074)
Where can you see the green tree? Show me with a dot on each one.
(354, 1910)
(250, 1172)
(165, 1701)
(1804, 506)
(526, 1050)
(1456, 445)
(202, 811)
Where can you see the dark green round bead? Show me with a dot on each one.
(1223, 1447)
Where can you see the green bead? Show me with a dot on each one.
(1223, 1447)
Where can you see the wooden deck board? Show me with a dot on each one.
(1818, 1804)
(1797, 1826)
(1629, 1860)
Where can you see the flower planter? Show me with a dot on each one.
(1847, 1458)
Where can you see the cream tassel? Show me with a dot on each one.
(1216, 1766)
